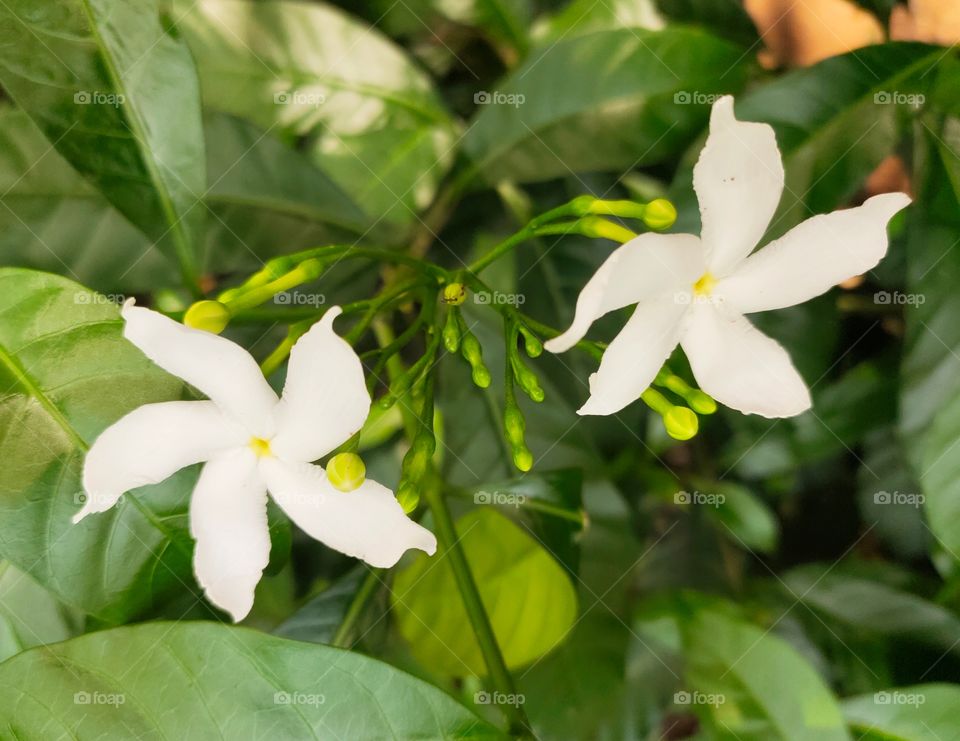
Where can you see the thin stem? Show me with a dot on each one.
(479, 620)
(366, 590)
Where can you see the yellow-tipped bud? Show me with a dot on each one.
(454, 294)
(210, 316)
(681, 423)
(346, 471)
(701, 403)
(660, 214)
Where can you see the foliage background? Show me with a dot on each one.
(146, 146)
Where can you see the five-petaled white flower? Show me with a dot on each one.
(696, 291)
(251, 442)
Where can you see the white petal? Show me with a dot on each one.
(151, 443)
(741, 367)
(738, 180)
(635, 356)
(228, 519)
(325, 398)
(650, 265)
(367, 523)
(221, 369)
(813, 257)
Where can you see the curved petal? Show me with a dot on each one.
(368, 523)
(650, 265)
(741, 367)
(738, 180)
(228, 519)
(221, 369)
(813, 257)
(151, 443)
(325, 398)
(635, 356)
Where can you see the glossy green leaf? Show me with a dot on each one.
(377, 129)
(119, 99)
(30, 615)
(742, 516)
(67, 374)
(53, 219)
(317, 620)
(619, 87)
(203, 680)
(835, 122)
(586, 16)
(923, 712)
(763, 689)
(528, 596)
(727, 18)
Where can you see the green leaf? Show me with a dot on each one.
(586, 16)
(118, 97)
(528, 596)
(30, 615)
(923, 712)
(872, 609)
(768, 691)
(53, 219)
(68, 374)
(743, 517)
(727, 18)
(375, 126)
(618, 90)
(317, 621)
(203, 680)
(831, 127)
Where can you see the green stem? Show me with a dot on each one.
(493, 658)
(366, 590)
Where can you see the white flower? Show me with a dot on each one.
(251, 442)
(695, 291)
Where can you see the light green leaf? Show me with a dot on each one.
(118, 97)
(528, 596)
(377, 128)
(619, 88)
(924, 712)
(203, 680)
(68, 373)
(765, 690)
(30, 615)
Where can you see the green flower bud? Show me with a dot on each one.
(531, 343)
(528, 381)
(700, 402)
(660, 214)
(454, 294)
(681, 423)
(473, 354)
(311, 269)
(346, 471)
(481, 376)
(210, 316)
(523, 458)
(408, 495)
(451, 333)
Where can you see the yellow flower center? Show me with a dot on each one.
(260, 446)
(704, 285)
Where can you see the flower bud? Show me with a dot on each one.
(451, 333)
(210, 316)
(681, 423)
(700, 402)
(523, 458)
(454, 294)
(408, 495)
(660, 214)
(346, 471)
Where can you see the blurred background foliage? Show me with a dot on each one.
(824, 571)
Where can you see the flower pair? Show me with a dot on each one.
(250, 442)
(696, 291)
